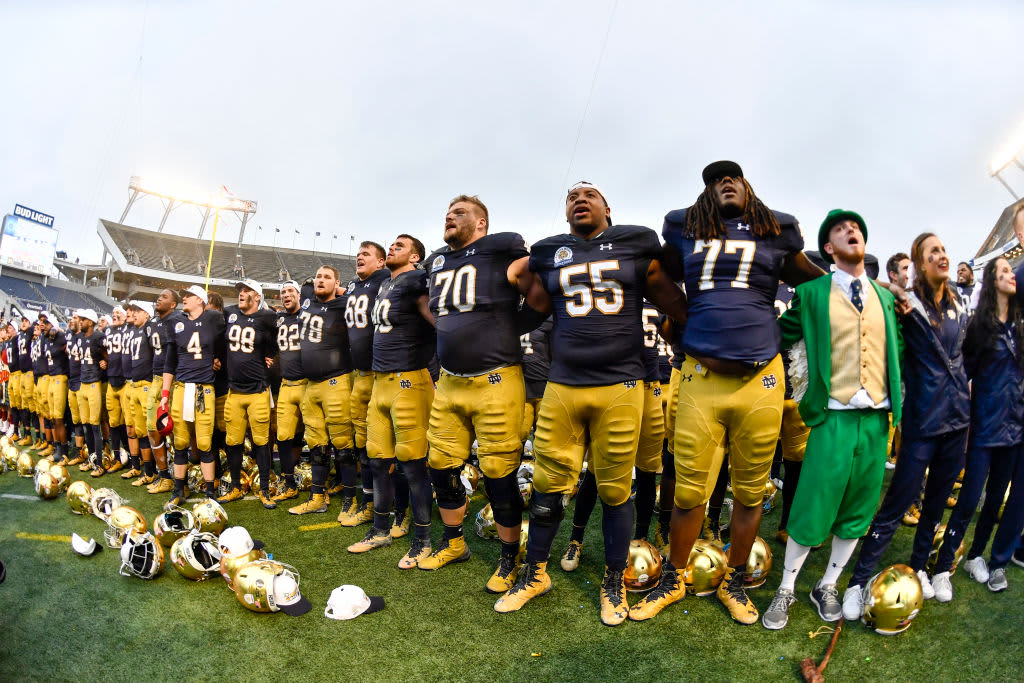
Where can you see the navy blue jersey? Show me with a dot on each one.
(141, 354)
(359, 298)
(160, 338)
(194, 345)
(402, 339)
(75, 361)
(289, 343)
(92, 350)
(115, 374)
(38, 358)
(13, 354)
(651, 317)
(25, 353)
(536, 348)
(730, 286)
(324, 339)
(475, 307)
(56, 349)
(783, 300)
(128, 334)
(251, 339)
(596, 288)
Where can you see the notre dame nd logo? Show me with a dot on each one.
(405, 383)
(768, 381)
(494, 378)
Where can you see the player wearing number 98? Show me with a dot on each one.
(730, 251)
(196, 349)
(359, 297)
(476, 283)
(251, 343)
(597, 277)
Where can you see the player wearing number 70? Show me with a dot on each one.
(596, 277)
(730, 251)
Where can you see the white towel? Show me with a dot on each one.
(188, 402)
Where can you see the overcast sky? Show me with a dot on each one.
(366, 118)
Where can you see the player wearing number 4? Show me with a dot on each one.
(596, 277)
(730, 250)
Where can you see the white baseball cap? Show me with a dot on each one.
(87, 314)
(291, 283)
(251, 284)
(118, 309)
(236, 540)
(86, 547)
(348, 602)
(196, 290)
(146, 306)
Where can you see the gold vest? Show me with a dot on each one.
(858, 347)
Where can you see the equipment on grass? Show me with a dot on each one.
(812, 673)
(524, 477)
(196, 556)
(304, 476)
(892, 598)
(79, 495)
(274, 485)
(171, 525)
(759, 563)
(46, 485)
(141, 556)
(770, 492)
(933, 554)
(43, 465)
(123, 521)
(270, 586)
(705, 568)
(194, 478)
(230, 562)
(60, 473)
(486, 527)
(105, 501)
(643, 567)
(25, 465)
(210, 516)
(470, 478)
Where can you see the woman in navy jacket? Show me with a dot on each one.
(935, 419)
(994, 357)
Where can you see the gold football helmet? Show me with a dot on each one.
(705, 568)
(892, 598)
(758, 564)
(230, 564)
(643, 568)
(194, 478)
(43, 465)
(524, 534)
(105, 501)
(262, 584)
(60, 473)
(25, 465)
(304, 476)
(123, 520)
(210, 516)
(141, 556)
(933, 554)
(47, 487)
(770, 492)
(11, 457)
(274, 485)
(171, 525)
(485, 524)
(196, 556)
(470, 478)
(248, 465)
(79, 497)
(525, 478)
(109, 459)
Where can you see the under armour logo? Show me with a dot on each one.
(743, 226)
(405, 383)
(874, 534)
(607, 245)
(332, 382)
(494, 378)
(768, 381)
(685, 378)
(471, 252)
(629, 383)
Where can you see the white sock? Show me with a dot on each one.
(796, 555)
(842, 551)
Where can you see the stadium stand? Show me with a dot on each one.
(55, 294)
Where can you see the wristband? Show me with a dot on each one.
(165, 393)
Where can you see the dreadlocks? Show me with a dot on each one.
(704, 223)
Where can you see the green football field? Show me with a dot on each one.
(65, 617)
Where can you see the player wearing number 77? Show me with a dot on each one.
(596, 277)
(730, 251)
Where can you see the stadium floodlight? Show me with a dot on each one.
(219, 200)
(1008, 155)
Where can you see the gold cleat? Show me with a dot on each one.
(286, 494)
(36, 445)
(144, 480)
(951, 502)
(349, 507)
(782, 536)
(364, 515)
(232, 495)
(117, 466)
(47, 452)
(85, 466)
(533, 581)
(504, 577)
(448, 552)
(266, 500)
(670, 590)
(317, 502)
(373, 539)
(571, 557)
(161, 485)
(403, 522)
(336, 489)
(913, 516)
(418, 551)
(97, 472)
(24, 441)
(731, 594)
(176, 501)
(77, 460)
(614, 608)
(130, 474)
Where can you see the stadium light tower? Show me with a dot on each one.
(1009, 156)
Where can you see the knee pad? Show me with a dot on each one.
(546, 509)
(144, 443)
(506, 503)
(180, 456)
(319, 457)
(381, 467)
(206, 456)
(346, 456)
(451, 494)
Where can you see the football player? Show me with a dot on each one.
(328, 368)
(251, 347)
(115, 384)
(74, 385)
(14, 360)
(396, 421)
(730, 250)
(140, 352)
(536, 348)
(93, 355)
(40, 383)
(220, 398)
(291, 324)
(159, 330)
(596, 277)
(476, 282)
(55, 346)
(129, 332)
(195, 352)
(359, 297)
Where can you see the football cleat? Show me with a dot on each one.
(504, 577)
(734, 597)
(614, 608)
(349, 507)
(144, 480)
(448, 552)
(116, 466)
(912, 516)
(670, 589)
(97, 472)
(77, 460)
(364, 515)
(782, 536)
(336, 489)
(286, 494)
(533, 581)
(317, 502)
(826, 599)
(130, 474)
(267, 501)
(232, 495)
(176, 501)
(777, 614)
(926, 585)
(85, 465)
(403, 522)
(418, 551)
(571, 556)
(24, 441)
(161, 485)
(373, 539)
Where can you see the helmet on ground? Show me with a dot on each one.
(237, 549)
(303, 476)
(643, 568)
(141, 556)
(60, 473)
(485, 524)
(171, 525)
(705, 568)
(194, 478)
(25, 465)
(104, 502)
(47, 487)
(122, 521)
(210, 516)
(196, 556)
(892, 598)
(79, 496)
(269, 586)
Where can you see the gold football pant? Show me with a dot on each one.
(14, 389)
(396, 421)
(28, 391)
(672, 406)
(529, 417)
(138, 407)
(204, 418)
(153, 401)
(90, 403)
(487, 406)
(289, 403)
(76, 416)
(325, 411)
(606, 419)
(41, 396)
(744, 411)
(115, 413)
(57, 396)
(794, 432)
(652, 430)
(359, 401)
(219, 421)
(247, 410)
